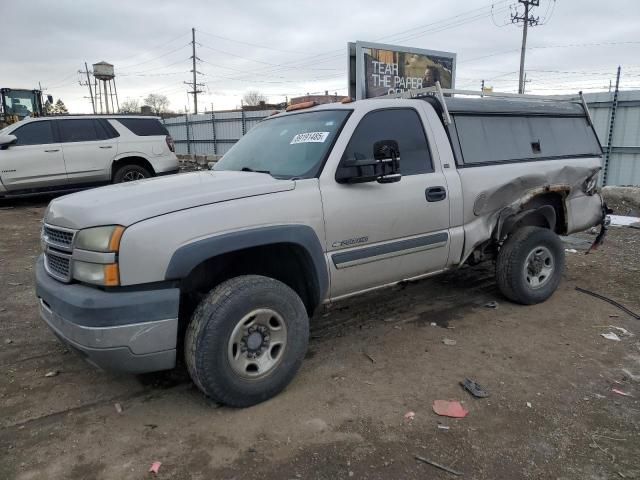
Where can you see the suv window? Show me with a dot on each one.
(144, 127)
(402, 125)
(34, 133)
(78, 130)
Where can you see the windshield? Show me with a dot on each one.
(286, 147)
(19, 102)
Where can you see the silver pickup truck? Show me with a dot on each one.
(312, 206)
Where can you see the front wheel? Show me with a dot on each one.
(246, 340)
(530, 265)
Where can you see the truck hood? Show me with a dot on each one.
(128, 203)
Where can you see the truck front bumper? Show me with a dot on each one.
(126, 331)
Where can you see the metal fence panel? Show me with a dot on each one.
(211, 134)
(624, 163)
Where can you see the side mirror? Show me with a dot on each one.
(50, 99)
(384, 167)
(6, 140)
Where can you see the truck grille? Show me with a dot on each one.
(58, 247)
(58, 266)
(58, 237)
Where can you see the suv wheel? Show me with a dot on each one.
(130, 173)
(530, 265)
(246, 340)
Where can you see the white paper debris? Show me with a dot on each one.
(623, 220)
(610, 336)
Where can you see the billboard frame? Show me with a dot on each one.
(357, 81)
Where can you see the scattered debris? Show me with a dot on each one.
(8, 341)
(118, 407)
(612, 302)
(446, 408)
(623, 220)
(474, 388)
(441, 467)
(529, 405)
(155, 467)
(571, 250)
(493, 305)
(434, 324)
(448, 341)
(409, 416)
(443, 427)
(373, 360)
(14, 284)
(610, 336)
(631, 375)
(623, 331)
(52, 373)
(620, 392)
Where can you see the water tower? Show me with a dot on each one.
(105, 87)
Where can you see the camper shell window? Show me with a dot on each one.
(491, 130)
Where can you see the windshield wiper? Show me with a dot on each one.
(247, 169)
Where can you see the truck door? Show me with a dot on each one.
(35, 161)
(383, 233)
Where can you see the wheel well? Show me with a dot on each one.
(547, 210)
(286, 262)
(536, 219)
(142, 162)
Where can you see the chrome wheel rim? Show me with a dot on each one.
(257, 344)
(538, 267)
(132, 176)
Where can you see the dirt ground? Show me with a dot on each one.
(551, 412)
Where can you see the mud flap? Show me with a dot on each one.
(604, 223)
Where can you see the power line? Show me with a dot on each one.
(241, 42)
(154, 48)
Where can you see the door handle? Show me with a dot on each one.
(435, 194)
(106, 146)
(53, 150)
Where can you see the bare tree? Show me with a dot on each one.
(130, 106)
(158, 103)
(253, 98)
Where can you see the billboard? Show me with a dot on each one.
(376, 69)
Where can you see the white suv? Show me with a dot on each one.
(53, 154)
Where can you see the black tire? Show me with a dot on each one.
(515, 280)
(219, 315)
(129, 173)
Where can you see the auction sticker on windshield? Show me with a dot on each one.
(309, 137)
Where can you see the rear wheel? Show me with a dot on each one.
(246, 340)
(530, 265)
(130, 173)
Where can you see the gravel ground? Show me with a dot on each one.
(551, 412)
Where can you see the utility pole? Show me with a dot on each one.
(482, 89)
(86, 72)
(528, 21)
(195, 83)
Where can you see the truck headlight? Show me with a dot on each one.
(100, 239)
(97, 273)
(106, 241)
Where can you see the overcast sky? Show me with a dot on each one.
(284, 48)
